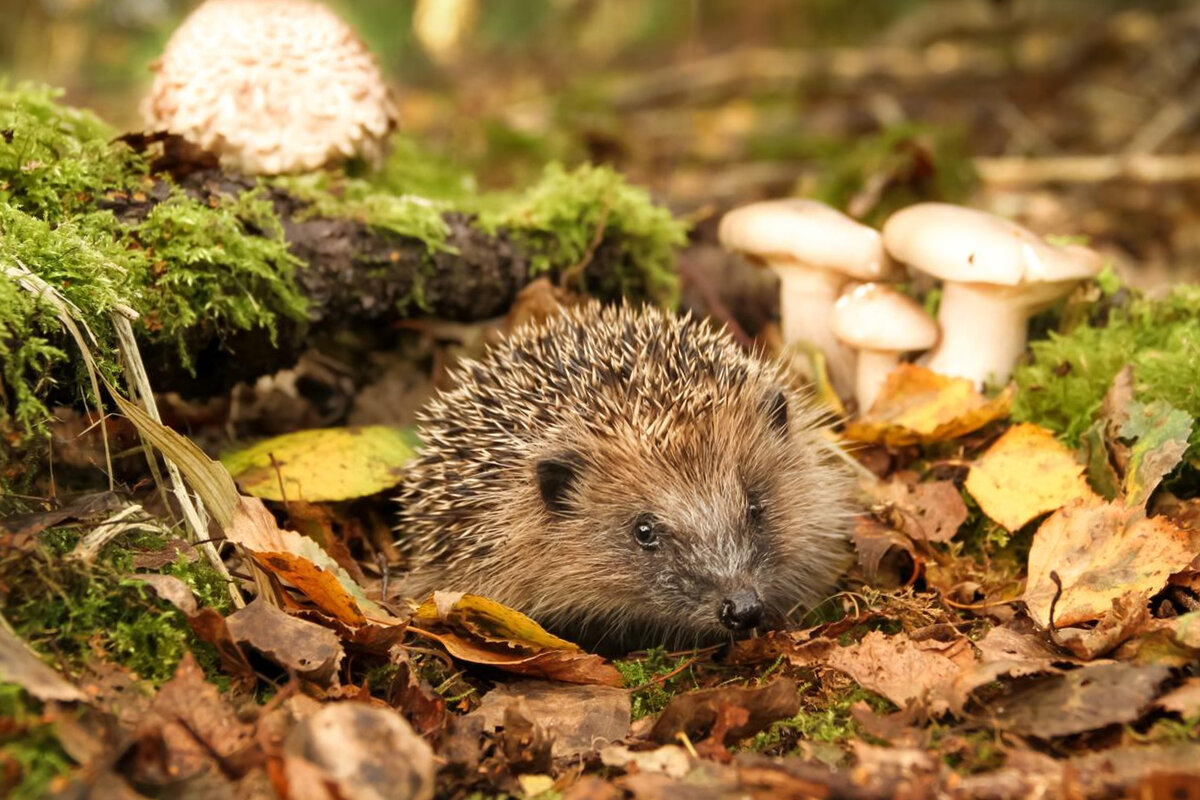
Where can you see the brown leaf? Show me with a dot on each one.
(360, 752)
(19, 665)
(302, 563)
(932, 511)
(1183, 699)
(696, 713)
(171, 589)
(1128, 617)
(888, 558)
(917, 406)
(579, 719)
(305, 648)
(482, 631)
(1100, 552)
(904, 670)
(191, 732)
(1084, 699)
(1024, 474)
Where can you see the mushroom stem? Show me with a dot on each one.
(806, 298)
(983, 331)
(873, 368)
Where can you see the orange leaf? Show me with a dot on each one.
(917, 406)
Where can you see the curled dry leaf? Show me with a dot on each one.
(1024, 474)
(358, 752)
(699, 714)
(300, 562)
(903, 669)
(670, 759)
(323, 465)
(482, 631)
(917, 406)
(305, 648)
(888, 558)
(1183, 699)
(579, 719)
(1100, 552)
(931, 512)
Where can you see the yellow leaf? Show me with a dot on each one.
(1101, 551)
(917, 406)
(323, 465)
(482, 631)
(1026, 473)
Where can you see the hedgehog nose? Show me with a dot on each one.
(742, 610)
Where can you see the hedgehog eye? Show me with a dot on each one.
(754, 507)
(645, 531)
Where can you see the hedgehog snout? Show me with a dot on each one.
(741, 610)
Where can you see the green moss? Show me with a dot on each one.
(824, 717)
(561, 218)
(646, 676)
(31, 758)
(1064, 385)
(75, 610)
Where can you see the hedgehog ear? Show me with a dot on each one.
(777, 411)
(556, 475)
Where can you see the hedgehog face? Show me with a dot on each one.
(689, 536)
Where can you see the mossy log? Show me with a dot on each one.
(233, 277)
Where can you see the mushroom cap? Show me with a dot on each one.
(968, 246)
(875, 317)
(271, 86)
(807, 232)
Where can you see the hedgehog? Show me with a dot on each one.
(628, 478)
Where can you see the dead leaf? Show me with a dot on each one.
(482, 631)
(932, 512)
(1100, 551)
(1161, 432)
(301, 562)
(20, 665)
(697, 713)
(1183, 699)
(1026, 473)
(191, 731)
(1128, 617)
(579, 719)
(360, 752)
(171, 589)
(901, 669)
(670, 759)
(888, 558)
(1084, 699)
(917, 406)
(305, 648)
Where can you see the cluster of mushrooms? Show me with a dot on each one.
(833, 292)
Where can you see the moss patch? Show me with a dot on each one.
(1064, 385)
(76, 611)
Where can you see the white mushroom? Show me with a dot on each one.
(815, 250)
(881, 324)
(996, 274)
(271, 86)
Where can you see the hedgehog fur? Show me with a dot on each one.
(628, 478)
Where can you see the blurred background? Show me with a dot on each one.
(1076, 117)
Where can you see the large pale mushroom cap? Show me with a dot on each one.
(271, 86)
(968, 246)
(809, 233)
(874, 317)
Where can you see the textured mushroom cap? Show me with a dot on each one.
(271, 86)
(874, 317)
(968, 246)
(807, 232)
